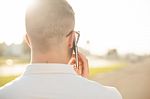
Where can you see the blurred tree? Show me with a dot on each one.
(26, 49)
(3, 47)
(112, 54)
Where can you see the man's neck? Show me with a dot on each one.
(53, 57)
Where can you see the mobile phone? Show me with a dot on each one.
(75, 48)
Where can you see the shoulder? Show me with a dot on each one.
(107, 92)
(8, 90)
(4, 92)
(113, 93)
(101, 91)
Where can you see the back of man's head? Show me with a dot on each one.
(48, 22)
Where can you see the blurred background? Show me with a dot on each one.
(115, 37)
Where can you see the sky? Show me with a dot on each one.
(107, 24)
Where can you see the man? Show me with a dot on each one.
(52, 73)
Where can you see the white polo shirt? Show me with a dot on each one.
(55, 81)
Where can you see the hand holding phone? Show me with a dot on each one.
(78, 60)
(83, 69)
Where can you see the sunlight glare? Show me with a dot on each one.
(12, 21)
(28, 3)
(107, 24)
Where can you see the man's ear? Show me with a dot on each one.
(70, 40)
(27, 40)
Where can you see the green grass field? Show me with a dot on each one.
(97, 70)
(6, 79)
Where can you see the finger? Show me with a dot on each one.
(84, 64)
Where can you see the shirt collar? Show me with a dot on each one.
(49, 69)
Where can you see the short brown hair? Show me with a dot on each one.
(47, 20)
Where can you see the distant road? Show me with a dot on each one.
(12, 69)
(97, 62)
